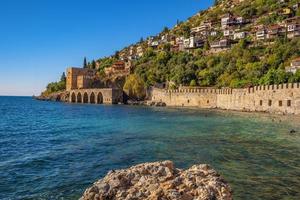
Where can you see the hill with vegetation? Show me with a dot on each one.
(245, 59)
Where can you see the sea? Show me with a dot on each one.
(51, 150)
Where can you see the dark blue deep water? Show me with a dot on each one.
(55, 150)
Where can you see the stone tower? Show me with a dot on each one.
(79, 78)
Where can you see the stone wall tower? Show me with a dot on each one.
(79, 78)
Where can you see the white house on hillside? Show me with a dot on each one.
(295, 65)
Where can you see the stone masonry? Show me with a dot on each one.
(96, 96)
(283, 98)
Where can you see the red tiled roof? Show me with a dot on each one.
(296, 59)
(119, 63)
(276, 26)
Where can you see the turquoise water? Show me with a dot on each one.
(55, 150)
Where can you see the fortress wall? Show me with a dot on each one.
(204, 98)
(283, 98)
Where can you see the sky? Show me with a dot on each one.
(39, 39)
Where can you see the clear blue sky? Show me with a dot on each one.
(40, 38)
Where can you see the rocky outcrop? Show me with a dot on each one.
(57, 96)
(156, 103)
(160, 181)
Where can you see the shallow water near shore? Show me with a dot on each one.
(53, 150)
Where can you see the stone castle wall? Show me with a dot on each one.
(283, 98)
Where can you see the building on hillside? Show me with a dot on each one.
(164, 39)
(122, 55)
(154, 44)
(213, 33)
(220, 44)
(193, 42)
(139, 51)
(180, 43)
(293, 27)
(296, 6)
(202, 30)
(275, 31)
(283, 1)
(79, 78)
(239, 35)
(150, 39)
(228, 33)
(227, 20)
(172, 40)
(118, 68)
(240, 21)
(295, 65)
(131, 50)
(132, 55)
(261, 34)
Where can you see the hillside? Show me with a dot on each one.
(236, 43)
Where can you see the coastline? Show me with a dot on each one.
(62, 97)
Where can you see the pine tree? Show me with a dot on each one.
(93, 64)
(165, 30)
(85, 63)
(117, 55)
(63, 77)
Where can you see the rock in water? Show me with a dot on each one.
(160, 181)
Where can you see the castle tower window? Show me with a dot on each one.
(289, 103)
(260, 102)
(280, 103)
(270, 103)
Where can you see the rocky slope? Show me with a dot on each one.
(56, 96)
(160, 180)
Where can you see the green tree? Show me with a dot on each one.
(193, 83)
(63, 77)
(93, 64)
(117, 55)
(134, 87)
(85, 65)
(165, 30)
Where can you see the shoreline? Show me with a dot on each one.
(147, 103)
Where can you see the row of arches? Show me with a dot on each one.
(86, 98)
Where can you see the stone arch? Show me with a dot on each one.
(79, 98)
(99, 98)
(85, 98)
(92, 98)
(73, 98)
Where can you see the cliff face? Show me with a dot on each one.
(160, 180)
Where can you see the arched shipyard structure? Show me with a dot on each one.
(96, 96)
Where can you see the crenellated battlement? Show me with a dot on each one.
(281, 98)
(230, 90)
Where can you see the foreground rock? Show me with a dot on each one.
(161, 181)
